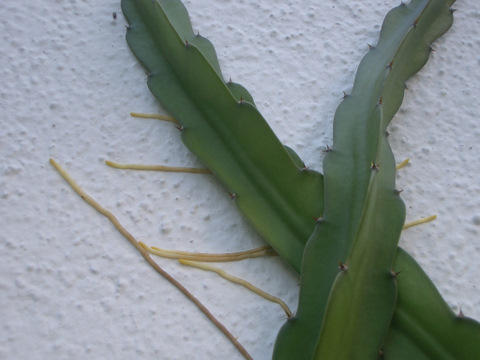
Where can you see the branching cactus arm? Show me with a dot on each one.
(220, 124)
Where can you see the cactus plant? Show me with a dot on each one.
(359, 171)
(360, 213)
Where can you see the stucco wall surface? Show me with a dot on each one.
(72, 288)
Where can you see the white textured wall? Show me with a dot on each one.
(72, 288)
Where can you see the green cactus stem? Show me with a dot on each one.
(362, 218)
(221, 125)
(362, 213)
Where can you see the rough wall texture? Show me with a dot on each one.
(72, 288)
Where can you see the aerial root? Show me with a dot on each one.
(419, 221)
(194, 256)
(158, 168)
(92, 202)
(239, 281)
(402, 164)
(155, 116)
(193, 259)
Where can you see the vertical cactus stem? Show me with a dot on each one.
(405, 47)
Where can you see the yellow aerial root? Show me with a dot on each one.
(158, 168)
(155, 116)
(239, 281)
(194, 256)
(402, 164)
(419, 221)
(147, 257)
(193, 259)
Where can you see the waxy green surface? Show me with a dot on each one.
(221, 125)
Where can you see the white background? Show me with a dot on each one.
(72, 288)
